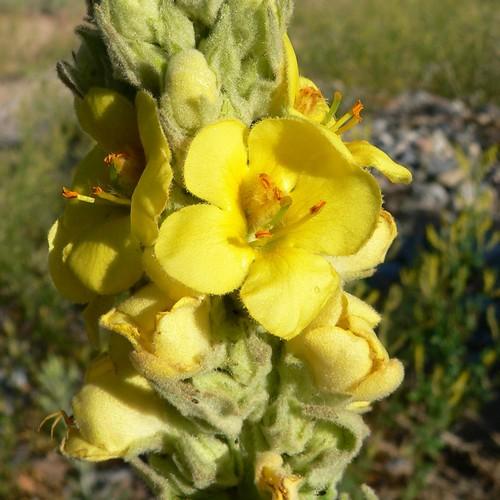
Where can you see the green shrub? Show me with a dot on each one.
(441, 320)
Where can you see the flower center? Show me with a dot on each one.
(265, 206)
(125, 171)
(307, 100)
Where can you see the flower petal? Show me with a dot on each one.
(172, 288)
(110, 119)
(203, 247)
(151, 193)
(363, 263)
(286, 288)
(105, 258)
(337, 358)
(332, 310)
(346, 221)
(216, 163)
(135, 318)
(381, 382)
(360, 309)
(183, 337)
(117, 415)
(283, 148)
(367, 155)
(63, 277)
(284, 95)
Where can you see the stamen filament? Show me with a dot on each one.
(74, 195)
(341, 121)
(285, 204)
(336, 100)
(98, 192)
(313, 211)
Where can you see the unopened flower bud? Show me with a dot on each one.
(114, 416)
(348, 357)
(173, 337)
(191, 90)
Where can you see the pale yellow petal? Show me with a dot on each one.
(151, 193)
(359, 308)
(286, 147)
(381, 382)
(363, 263)
(171, 287)
(204, 248)
(136, 317)
(73, 445)
(216, 163)
(337, 358)
(286, 288)
(367, 155)
(331, 312)
(105, 258)
(362, 329)
(110, 119)
(182, 338)
(63, 277)
(352, 202)
(119, 416)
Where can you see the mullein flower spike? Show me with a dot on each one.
(211, 230)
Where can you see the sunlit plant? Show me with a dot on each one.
(210, 233)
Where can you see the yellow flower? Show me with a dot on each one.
(114, 416)
(281, 197)
(170, 337)
(345, 355)
(305, 99)
(118, 192)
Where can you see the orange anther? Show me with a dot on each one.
(263, 233)
(307, 99)
(97, 190)
(68, 194)
(316, 208)
(109, 159)
(277, 193)
(265, 180)
(356, 110)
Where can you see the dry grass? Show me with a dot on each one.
(31, 41)
(383, 47)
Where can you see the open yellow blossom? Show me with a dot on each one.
(170, 337)
(118, 192)
(308, 101)
(281, 197)
(345, 355)
(114, 416)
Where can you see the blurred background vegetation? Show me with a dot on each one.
(438, 436)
